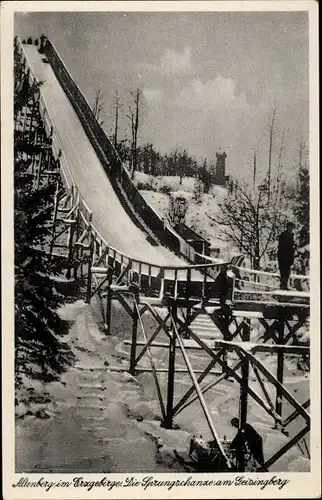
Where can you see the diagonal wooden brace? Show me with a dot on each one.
(151, 339)
(284, 449)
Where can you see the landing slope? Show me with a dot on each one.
(109, 217)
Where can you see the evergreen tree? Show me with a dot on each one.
(302, 206)
(39, 351)
(302, 214)
(205, 177)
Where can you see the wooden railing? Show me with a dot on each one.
(143, 214)
(176, 279)
(147, 271)
(265, 281)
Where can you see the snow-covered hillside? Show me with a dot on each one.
(199, 215)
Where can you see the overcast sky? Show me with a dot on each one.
(209, 79)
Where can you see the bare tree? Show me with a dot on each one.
(117, 108)
(247, 220)
(279, 183)
(98, 106)
(134, 113)
(254, 168)
(178, 207)
(270, 150)
(198, 191)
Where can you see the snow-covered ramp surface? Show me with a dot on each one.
(109, 217)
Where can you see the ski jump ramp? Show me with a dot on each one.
(124, 234)
(94, 186)
(120, 217)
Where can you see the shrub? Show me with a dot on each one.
(145, 186)
(165, 189)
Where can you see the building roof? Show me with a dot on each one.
(189, 234)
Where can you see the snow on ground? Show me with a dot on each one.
(199, 215)
(106, 421)
(91, 425)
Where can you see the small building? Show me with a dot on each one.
(200, 244)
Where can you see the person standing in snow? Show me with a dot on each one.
(285, 254)
(247, 437)
(43, 39)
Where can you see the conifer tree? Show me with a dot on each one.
(39, 351)
(302, 206)
(302, 214)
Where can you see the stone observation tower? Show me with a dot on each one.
(220, 173)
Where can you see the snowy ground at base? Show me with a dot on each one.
(105, 421)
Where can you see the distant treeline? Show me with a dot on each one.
(177, 163)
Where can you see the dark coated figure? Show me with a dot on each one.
(247, 438)
(285, 254)
(43, 39)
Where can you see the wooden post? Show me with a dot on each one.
(33, 165)
(280, 363)
(70, 249)
(186, 334)
(108, 314)
(134, 335)
(89, 271)
(44, 158)
(243, 393)
(168, 421)
(56, 202)
(76, 250)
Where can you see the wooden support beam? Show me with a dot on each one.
(284, 449)
(222, 323)
(179, 406)
(100, 285)
(271, 310)
(220, 376)
(156, 317)
(283, 391)
(267, 348)
(269, 330)
(143, 309)
(56, 201)
(89, 270)
(99, 270)
(243, 400)
(153, 336)
(70, 249)
(231, 372)
(280, 366)
(141, 369)
(76, 232)
(100, 301)
(168, 421)
(108, 317)
(60, 233)
(123, 273)
(263, 387)
(133, 360)
(201, 398)
(295, 414)
(120, 297)
(101, 258)
(164, 345)
(156, 380)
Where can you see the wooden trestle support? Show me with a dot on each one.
(142, 288)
